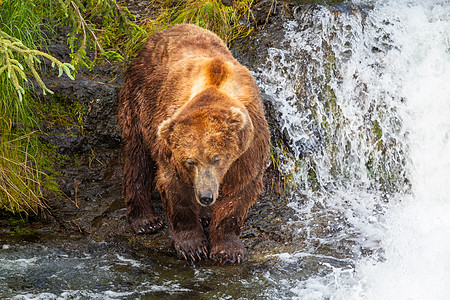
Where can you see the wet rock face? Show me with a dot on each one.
(99, 98)
(227, 2)
(68, 145)
(256, 53)
(253, 50)
(268, 23)
(101, 120)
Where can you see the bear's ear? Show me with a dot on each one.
(236, 119)
(165, 129)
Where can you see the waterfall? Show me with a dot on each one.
(362, 98)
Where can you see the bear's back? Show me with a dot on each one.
(185, 42)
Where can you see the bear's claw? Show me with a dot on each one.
(191, 247)
(231, 257)
(193, 255)
(147, 225)
(199, 254)
(232, 251)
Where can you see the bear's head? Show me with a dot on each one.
(204, 142)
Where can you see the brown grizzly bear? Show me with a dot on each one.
(193, 124)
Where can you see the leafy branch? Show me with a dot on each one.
(96, 25)
(12, 49)
(81, 26)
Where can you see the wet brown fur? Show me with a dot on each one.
(186, 99)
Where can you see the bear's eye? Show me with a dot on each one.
(216, 160)
(190, 162)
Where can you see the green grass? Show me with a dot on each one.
(23, 37)
(209, 14)
(22, 157)
(21, 180)
(26, 25)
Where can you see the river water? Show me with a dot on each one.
(367, 122)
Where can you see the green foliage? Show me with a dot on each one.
(80, 16)
(19, 57)
(121, 36)
(22, 156)
(21, 180)
(10, 49)
(209, 14)
(100, 29)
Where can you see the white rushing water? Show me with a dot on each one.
(417, 241)
(373, 143)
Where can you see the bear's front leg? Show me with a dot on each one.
(182, 211)
(227, 217)
(138, 178)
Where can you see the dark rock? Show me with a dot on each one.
(265, 11)
(68, 145)
(100, 121)
(100, 99)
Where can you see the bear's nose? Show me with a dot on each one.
(206, 198)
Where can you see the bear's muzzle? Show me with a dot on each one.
(206, 187)
(206, 198)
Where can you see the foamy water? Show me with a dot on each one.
(417, 241)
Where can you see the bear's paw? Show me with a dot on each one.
(146, 224)
(190, 245)
(228, 250)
